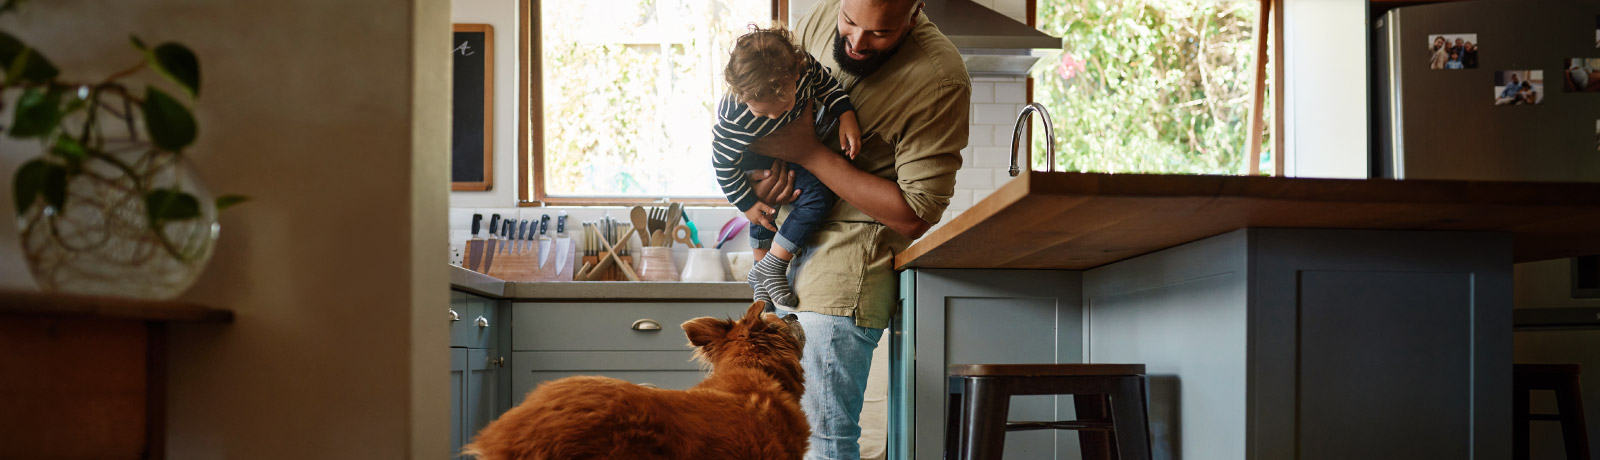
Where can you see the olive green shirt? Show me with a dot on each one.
(913, 114)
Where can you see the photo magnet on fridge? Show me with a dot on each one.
(1518, 87)
(1453, 51)
(1581, 75)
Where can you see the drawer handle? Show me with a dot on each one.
(483, 322)
(646, 325)
(454, 316)
(649, 385)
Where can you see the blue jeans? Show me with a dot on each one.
(836, 359)
(804, 214)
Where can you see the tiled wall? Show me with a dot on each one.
(987, 158)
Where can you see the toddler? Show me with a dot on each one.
(769, 81)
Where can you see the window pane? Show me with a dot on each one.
(629, 92)
(1159, 86)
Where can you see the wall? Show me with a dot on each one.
(326, 113)
(503, 16)
(1325, 89)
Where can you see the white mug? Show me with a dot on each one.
(703, 264)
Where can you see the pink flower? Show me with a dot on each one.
(1070, 65)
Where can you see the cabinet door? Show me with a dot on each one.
(458, 387)
(481, 395)
(989, 317)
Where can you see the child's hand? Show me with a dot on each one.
(762, 214)
(849, 134)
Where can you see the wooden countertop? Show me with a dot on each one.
(1085, 220)
(30, 303)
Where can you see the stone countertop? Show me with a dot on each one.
(473, 282)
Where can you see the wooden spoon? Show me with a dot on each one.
(641, 222)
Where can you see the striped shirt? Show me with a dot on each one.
(736, 128)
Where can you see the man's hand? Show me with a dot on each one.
(774, 186)
(795, 142)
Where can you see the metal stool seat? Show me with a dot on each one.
(1110, 402)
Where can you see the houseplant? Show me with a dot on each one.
(110, 206)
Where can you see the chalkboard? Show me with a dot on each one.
(472, 108)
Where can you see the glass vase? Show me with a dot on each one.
(101, 241)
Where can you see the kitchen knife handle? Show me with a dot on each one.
(494, 223)
(477, 223)
(561, 223)
(544, 224)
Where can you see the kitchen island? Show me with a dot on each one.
(1278, 318)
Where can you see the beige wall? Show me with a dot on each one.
(329, 114)
(502, 14)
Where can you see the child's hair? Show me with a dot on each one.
(762, 62)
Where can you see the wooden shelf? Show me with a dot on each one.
(41, 304)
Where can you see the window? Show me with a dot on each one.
(1153, 86)
(623, 95)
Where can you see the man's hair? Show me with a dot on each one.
(762, 63)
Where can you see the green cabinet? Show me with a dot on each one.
(478, 381)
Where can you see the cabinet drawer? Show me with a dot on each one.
(478, 325)
(671, 370)
(597, 326)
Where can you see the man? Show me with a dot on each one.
(912, 97)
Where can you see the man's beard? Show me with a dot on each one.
(859, 68)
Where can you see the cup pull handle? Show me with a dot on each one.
(649, 385)
(483, 322)
(646, 325)
(454, 316)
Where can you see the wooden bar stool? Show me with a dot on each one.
(1563, 379)
(1110, 401)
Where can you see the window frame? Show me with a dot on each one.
(530, 124)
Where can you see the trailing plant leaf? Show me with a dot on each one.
(36, 178)
(10, 5)
(137, 43)
(38, 113)
(178, 64)
(227, 201)
(168, 204)
(69, 149)
(23, 63)
(169, 123)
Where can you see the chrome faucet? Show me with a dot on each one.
(1049, 135)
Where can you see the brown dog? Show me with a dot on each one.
(748, 408)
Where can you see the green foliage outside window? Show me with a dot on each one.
(1151, 86)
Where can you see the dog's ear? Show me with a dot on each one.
(703, 331)
(753, 318)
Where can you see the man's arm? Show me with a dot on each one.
(881, 199)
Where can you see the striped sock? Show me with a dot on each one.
(770, 275)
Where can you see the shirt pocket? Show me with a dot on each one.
(829, 274)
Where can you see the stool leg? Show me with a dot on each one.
(953, 429)
(1519, 420)
(1573, 431)
(984, 419)
(1128, 418)
(1093, 445)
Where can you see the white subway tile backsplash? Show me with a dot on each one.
(975, 178)
(1001, 176)
(962, 199)
(1002, 135)
(992, 157)
(1010, 92)
(993, 114)
(979, 195)
(966, 156)
(980, 135)
(982, 92)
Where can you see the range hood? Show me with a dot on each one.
(991, 43)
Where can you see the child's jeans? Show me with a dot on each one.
(806, 212)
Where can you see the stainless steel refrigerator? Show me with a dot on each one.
(1433, 120)
(1437, 119)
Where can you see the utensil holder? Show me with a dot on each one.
(655, 264)
(703, 264)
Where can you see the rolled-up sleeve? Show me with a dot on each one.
(929, 151)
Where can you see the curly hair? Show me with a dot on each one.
(762, 62)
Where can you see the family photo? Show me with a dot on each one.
(1453, 51)
(1518, 87)
(1582, 75)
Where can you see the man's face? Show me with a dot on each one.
(869, 33)
(1458, 42)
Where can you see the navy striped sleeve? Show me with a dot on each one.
(736, 128)
(827, 89)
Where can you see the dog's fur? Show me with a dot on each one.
(748, 408)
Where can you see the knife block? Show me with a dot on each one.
(518, 262)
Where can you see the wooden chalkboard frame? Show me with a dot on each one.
(488, 107)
